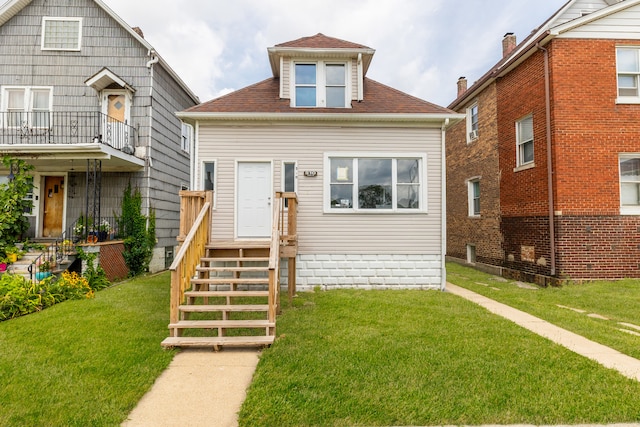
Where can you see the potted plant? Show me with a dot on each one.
(12, 253)
(44, 268)
(3, 264)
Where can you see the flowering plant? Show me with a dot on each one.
(104, 226)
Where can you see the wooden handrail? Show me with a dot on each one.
(191, 250)
(274, 260)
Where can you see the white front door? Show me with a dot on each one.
(253, 207)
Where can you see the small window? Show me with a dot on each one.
(524, 135)
(208, 176)
(628, 71)
(472, 123)
(289, 179)
(375, 184)
(474, 196)
(630, 184)
(320, 84)
(186, 138)
(471, 253)
(61, 33)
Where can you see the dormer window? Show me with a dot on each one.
(320, 84)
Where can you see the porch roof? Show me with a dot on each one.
(66, 157)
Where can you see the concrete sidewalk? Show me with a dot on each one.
(608, 357)
(199, 388)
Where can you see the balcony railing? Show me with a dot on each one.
(69, 127)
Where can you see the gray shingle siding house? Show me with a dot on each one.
(90, 103)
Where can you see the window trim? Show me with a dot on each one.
(626, 99)
(27, 102)
(321, 82)
(470, 124)
(633, 209)
(471, 197)
(46, 19)
(394, 156)
(215, 178)
(520, 144)
(186, 147)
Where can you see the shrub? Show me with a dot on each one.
(138, 232)
(13, 222)
(70, 285)
(19, 296)
(93, 273)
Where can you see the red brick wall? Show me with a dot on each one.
(476, 159)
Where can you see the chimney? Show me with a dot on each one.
(508, 44)
(139, 31)
(462, 85)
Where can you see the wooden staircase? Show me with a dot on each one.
(227, 293)
(228, 303)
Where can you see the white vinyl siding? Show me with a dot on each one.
(326, 233)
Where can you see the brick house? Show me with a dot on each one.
(543, 176)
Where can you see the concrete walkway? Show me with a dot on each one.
(199, 388)
(207, 388)
(608, 357)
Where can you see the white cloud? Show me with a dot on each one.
(422, 46)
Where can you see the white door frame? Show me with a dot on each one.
(237, 198)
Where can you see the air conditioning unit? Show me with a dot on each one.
(473, 134)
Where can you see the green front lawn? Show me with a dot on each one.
(85, 362)
(381, 358)
(578, 308)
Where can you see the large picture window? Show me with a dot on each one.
(389, 184)
(320, 84)
(61, 33)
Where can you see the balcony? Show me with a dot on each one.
(61, 141)
(73, 127)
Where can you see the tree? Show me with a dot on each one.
(138, 232)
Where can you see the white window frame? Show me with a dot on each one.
(215, 177)
(628, 99)
(283, 177)
(472, 126)
(27, 108)
(628, 209)
(471, 253)
(46, 19)
(186, 137)
(422, 157)
(520, 144)
(472, 196)
(321, 83)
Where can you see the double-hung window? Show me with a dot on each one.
(628, 71)
(473, 191)
(630, 184)
(186, 137)
(27, 107)
(382, 184)
(320, 84)
(524, 141)
(61, 33)
(472, 123)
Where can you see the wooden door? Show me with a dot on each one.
(53, 206)
(116, 107)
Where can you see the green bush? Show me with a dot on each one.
(138, 232)
(13, 203)
(93, 273)
(19, 296)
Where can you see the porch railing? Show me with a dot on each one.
(66, 127)
(193, 245)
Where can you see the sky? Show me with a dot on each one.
(422, 46)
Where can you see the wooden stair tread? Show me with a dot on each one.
(204, 308)
(233, 259)
(207, 324)
(236, 280)
(226, 293)
(232, 268)
(248, 341)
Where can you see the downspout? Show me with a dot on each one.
(149, 164)
(443, 204)
(552, 227)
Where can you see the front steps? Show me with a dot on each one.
(228, 303)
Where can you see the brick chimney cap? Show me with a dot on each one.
(508, 34)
